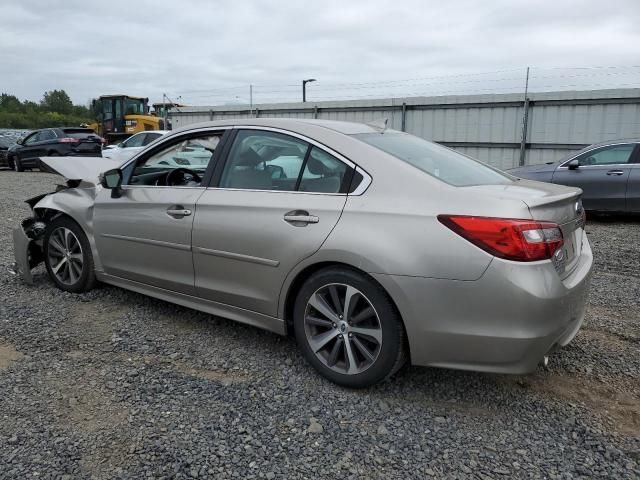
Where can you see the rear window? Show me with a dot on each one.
(78, 132)
(438, 161)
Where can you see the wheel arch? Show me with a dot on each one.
(305, 273)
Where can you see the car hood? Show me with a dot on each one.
(545, 167)
(85, 169)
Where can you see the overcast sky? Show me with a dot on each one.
(208, 51)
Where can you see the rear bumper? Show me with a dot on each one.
(504, 322)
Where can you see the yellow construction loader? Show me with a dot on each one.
(120, 116)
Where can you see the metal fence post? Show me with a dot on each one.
(525, 117)
(210, 115)
(315, 111)
(404, 117)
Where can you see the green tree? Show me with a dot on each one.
(57, 101)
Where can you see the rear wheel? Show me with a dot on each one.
(17, 166)
(67, 256)
(348, 329)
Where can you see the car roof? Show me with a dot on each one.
(347, 128)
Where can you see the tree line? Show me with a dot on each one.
(54, 110)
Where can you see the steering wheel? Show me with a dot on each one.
(179, 176)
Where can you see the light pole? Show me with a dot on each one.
(304, 88)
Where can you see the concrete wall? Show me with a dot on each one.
(487, 127)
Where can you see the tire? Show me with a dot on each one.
(67, 256)
(342, 358)
(17, 166)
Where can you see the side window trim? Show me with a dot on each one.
(634, 153)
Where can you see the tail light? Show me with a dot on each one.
(511, 239)
(69, 140)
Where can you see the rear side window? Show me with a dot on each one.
(262, 160)
(323, 173)
(150, 137)
(438, 161)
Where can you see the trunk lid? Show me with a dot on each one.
(553, 203)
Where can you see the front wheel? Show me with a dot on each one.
(348, 328)
(17, 166)
(67, 256)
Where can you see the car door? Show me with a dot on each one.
(144, 235)
(273, 203)
(602, 174)
(28, 152)
(633, 187)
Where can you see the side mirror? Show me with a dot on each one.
(19, 141)
(573, 164)
(112, 180)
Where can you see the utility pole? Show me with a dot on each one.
(304, 88)
(250, 99)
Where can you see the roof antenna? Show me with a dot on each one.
(380, 124)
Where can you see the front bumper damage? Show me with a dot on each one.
(27, 247)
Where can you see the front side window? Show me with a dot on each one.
(32, 139)
(261, 160)
(616, 155)
(438, 161)
(181, 163)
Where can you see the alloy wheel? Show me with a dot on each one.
(65, 256)
(342, 328)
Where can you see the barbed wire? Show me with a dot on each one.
(496, 81)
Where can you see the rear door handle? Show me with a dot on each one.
(300, 218)
(178, 211)
(615, 172)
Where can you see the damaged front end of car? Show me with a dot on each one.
(74, 199)
(27, 242)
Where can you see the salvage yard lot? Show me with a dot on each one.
(112, 384)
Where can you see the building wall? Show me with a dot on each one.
(487, 127)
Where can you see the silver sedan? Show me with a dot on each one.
(371, 246)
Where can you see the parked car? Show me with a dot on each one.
(4, 151)
(50, 142)
(377, 247)
(607, 172)
(132, 145)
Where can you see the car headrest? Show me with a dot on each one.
(316, 167)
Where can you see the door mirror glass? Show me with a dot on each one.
(20, 141)
(573, 164)
(112, 179)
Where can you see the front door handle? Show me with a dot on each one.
(300, 218)
(178, 211)
(615, 172)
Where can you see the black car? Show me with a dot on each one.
(49, 142)
(607, 172)
(4, 151)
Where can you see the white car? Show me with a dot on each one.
(132, 145)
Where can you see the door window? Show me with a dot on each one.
(180, 163)
(47, 135)
(323, 173)
(261, 160)
(30, 140)
(150, 137)
(135, 141)
(616, 155)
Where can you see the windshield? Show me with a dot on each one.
(439, 162)
(134, 107)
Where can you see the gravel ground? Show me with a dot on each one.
(112, 384)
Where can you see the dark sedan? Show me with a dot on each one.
(49, 142)
(607, 172)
